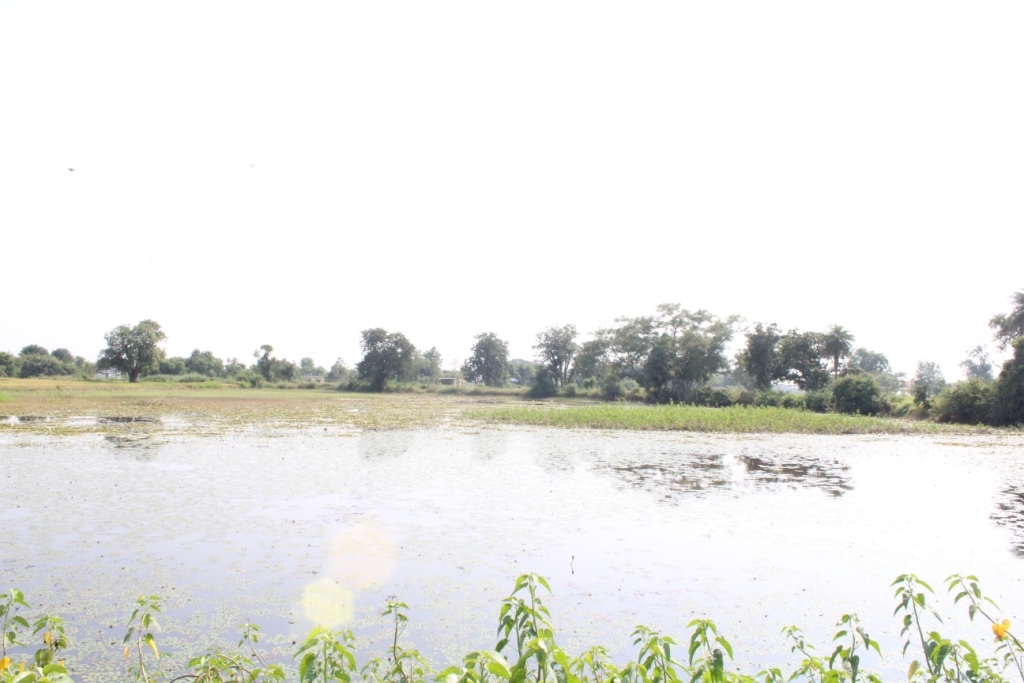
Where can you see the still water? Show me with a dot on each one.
(287, 530)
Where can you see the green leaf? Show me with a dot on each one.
(914, 666)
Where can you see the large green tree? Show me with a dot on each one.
(801, 355)
(488, 361)
(1009, 395)
(760, 357)
(556, 347)
(386, 356)
(928, 381)
(1009, 326)
(205, 363)
(133, 350)
(837, 345)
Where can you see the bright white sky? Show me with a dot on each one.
(292, 173)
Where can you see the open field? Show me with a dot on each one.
(68, 406)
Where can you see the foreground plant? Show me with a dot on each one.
(527, 651)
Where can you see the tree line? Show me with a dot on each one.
(672, 356)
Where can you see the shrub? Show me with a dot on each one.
(857, 394)
(543, 384)
(10, 365)
(716, 398)
(794, 401)
(38, 365)
(769, 399)
(745, 398)
(818, 401)
(967, 402)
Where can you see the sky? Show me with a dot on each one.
(251, 173)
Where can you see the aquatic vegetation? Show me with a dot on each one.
(528, 652)
(734, 419)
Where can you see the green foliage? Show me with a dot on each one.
(204, 363)
(869, 361)
(837, 344)
(760, 358)
(977, 364)
(172, 366)
(1009, 326)
(488, 361)
(967, 402)
(133, 350)
(527, 649)
(386, 356)
(40, 365)
(928, 382)
(1009, 393)
(556, 347)
(339, 372)
(10, 366)
(544, 384)
(800, 354)
(857, 394)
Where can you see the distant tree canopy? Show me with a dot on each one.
(870, 361)
(133, 350)
(387, 356)
(309, 368)
(488, 361)
(430, 364)
(205, 363)
(760, 358)
(977, 364)
(671, 354)
(927, 382)
(837, 344)
(556, 347)
(1009, 326)
(273, 369)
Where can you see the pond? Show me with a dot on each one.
(755, 532)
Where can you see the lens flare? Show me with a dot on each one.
(362, 555)
(327, 604)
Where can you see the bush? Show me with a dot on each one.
(745, 398)
(38, 365)
(794, 401)
(818, 401)
(716, 398)
(543, 384)
(967, 402)
(857, 394)
(767, 399)
(10, 365)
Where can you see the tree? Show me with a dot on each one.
(432, 364)
(44, 365)
(133, 350)
(33, 350)
(1009, 326)
(1009, 400)
(837, 344)
(870, 361)
(977, 364)
(338, 372)
(205, 363)
(760, 357)
(10, 366)
(591, 362)
(264, 361)
(488, 362)
(172, 366)
(308, 368)
(800, 356)
(857, 394)
(386, 356)
(928, 381)
(556, 347)
(63, 355)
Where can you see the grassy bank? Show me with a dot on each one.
(734, 419)
(57, 406)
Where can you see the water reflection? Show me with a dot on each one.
(682, 474)
(386, 444)
(1010, 513)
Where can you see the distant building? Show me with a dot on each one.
(109, 373)
(318, 379)
(450, 381)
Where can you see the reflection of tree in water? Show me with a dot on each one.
(142, 447)
(1010, 513)
(692, 473)
(384, 444)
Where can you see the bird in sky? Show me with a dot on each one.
(72, 170)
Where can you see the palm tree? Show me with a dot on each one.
(1009, 327)
(838, 345)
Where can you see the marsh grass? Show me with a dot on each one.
(734, 419)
